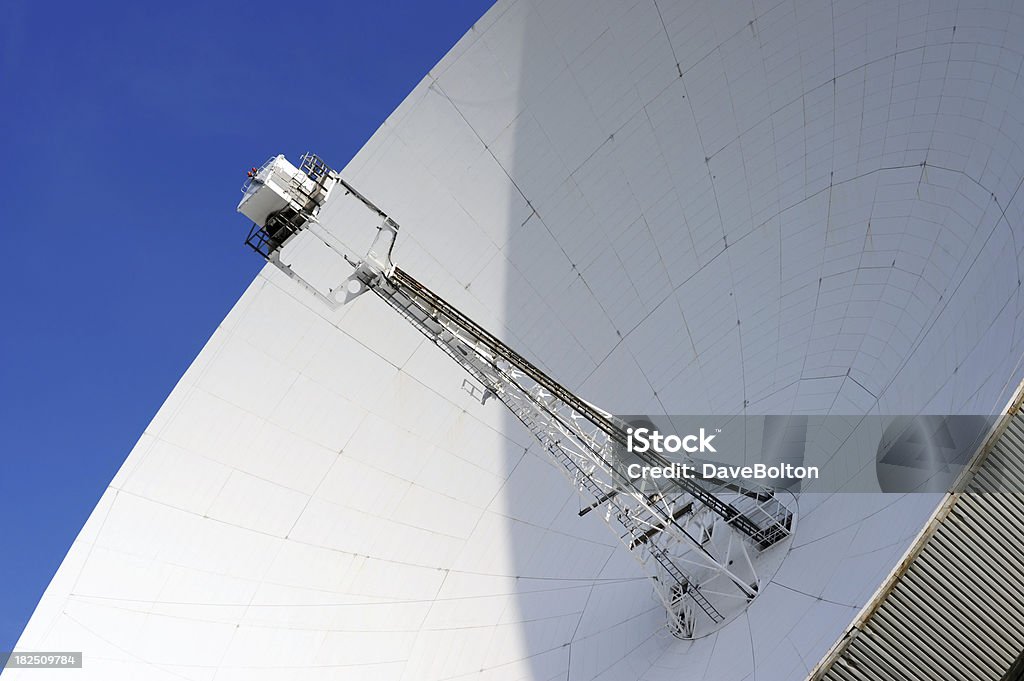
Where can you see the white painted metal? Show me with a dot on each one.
(270, 189)
(688, 534)
(671, 207)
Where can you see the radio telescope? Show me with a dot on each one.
(785, 208)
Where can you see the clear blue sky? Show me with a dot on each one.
(127, 128)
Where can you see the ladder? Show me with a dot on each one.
(581, 444)
(658, 524)
(402, 292)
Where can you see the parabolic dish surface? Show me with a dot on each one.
(672, 207)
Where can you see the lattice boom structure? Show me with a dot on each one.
(700, 540)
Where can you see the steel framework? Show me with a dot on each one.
(699, 539)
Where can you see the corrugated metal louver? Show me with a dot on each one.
(954, 606)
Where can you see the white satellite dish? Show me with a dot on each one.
(673, 209)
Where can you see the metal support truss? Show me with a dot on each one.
(689, 533)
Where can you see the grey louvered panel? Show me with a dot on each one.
(955, 607)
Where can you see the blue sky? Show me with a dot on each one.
(127, 128)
